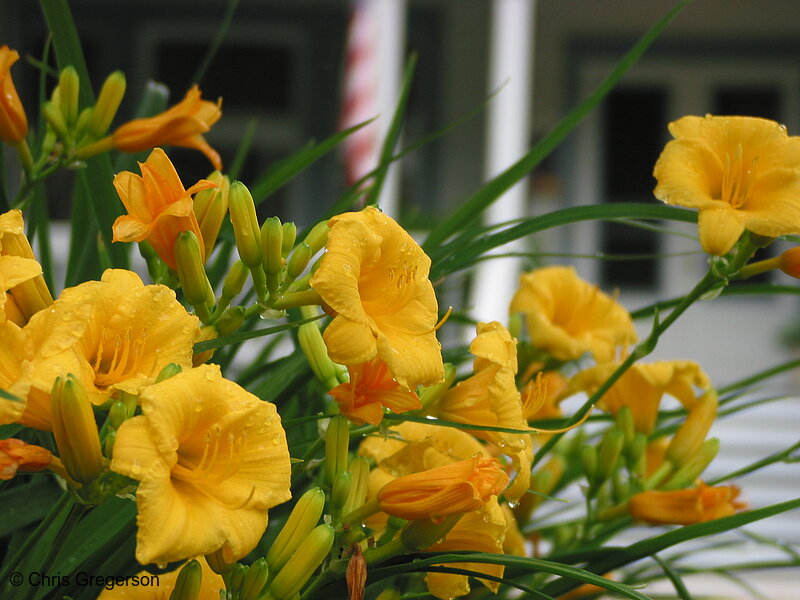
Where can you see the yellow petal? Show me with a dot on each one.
(719, 229)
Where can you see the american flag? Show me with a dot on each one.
(360, 101)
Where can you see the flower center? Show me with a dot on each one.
(737, 179)
(119, 357)
(221, 457)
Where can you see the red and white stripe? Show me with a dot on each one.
(360, 103)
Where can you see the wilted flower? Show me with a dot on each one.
(180, 125)
(16, 454)
(158, 207)
(684, 507)
(374, 277)
(567, 317)
(211, 458)
(13, 122)
(741, 173)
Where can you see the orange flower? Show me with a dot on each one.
(684, 507)
(158, 207)
(459, 487)
(16, 454)
(180, 125)
(370, 388)
(13, 122)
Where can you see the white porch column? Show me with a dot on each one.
(507, 139)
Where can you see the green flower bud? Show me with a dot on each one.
(210, 207)
(422, 534)
(68, 86)
(317, 237)
(610, 451)
(108, 443)
(298, 261)
(187, 585)
(55, 118)
(589, 463)
(220, 561)
(271, 243)
(107, 104)
(234, 281)
(254, 581)
(302, 564)
(117, 414)
(359, 469)
(245, 224)
(694, 466)
(625, 423)
(75, 430)
(192, 273)
(691, 434)
(168, 371)
(313, 346)
(340, 490)
(289, 238)
(302, 520)
(337, 443)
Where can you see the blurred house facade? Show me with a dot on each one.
(282, 64)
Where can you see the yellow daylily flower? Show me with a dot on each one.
(684, 507)
(567, 316)
(20, 273)
(490, 397)
(642, 387)
(370, 389)
(740, 173)
(12, 361)
(159, 587)
(374, 277)
(211, 459)
(112, 334)
(159, 209)
(180, 125)
(13, 122)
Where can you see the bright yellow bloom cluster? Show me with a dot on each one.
(740, 173)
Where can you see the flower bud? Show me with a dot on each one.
(359, 470)
(55, 118)
(75, 430)
(254, 581)
(13, 122)
(245, 224)
(191, 272)
(117, 414)
(624, 419)
(289, 237)
(302, 564)
(302, 520)
(168, 371)
(317, 237)
(236, 577)
(589, 463)
(221, 561)
(691, 434)
(271, 242)
(234, 282)
(107, 104)
(316, 353)
(694, 466)
(340, 491)
(337, 443)
(68, 86)
(298, 261)
(684, 507)
(424, 533)
(210, 207)
(456, 488)
(608, 457)
(187, 585)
